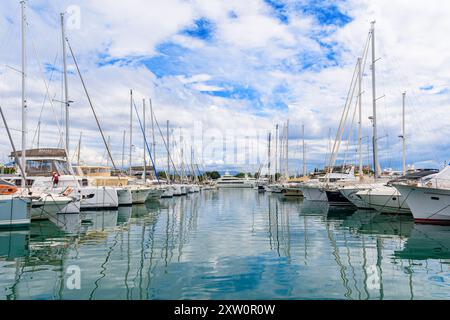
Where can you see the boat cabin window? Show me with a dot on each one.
(84, 182)
(45, 167)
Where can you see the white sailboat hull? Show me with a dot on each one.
(124, 196)
(350, 194)
(14, 211)
(314, 193)
(49, 205)
(139, 194)
(387, 201)
(428, 205)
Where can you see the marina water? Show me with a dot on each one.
(226, 244)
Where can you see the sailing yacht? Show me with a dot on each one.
(429, 198)
(325, 188)
(385, 198)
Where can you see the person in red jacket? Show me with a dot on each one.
(55, 179)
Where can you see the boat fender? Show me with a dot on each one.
(68, 191)
(7, 189)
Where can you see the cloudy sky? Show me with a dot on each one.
(230, 71)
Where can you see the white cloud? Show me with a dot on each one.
(253, 50)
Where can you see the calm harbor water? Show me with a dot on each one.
(227, 244)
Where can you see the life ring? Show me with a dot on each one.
(7, 189)
(67, 191)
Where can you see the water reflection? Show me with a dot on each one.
(227, 244)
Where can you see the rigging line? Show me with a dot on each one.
(91, 105)
(164, 140)
(343, 120)
(44, 101)
(411, 93)
(38, 61)
(350, 134)
(145, 140)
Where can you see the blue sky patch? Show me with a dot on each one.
(326, 13)
(279, 10)
(202, 29)
(427, 88)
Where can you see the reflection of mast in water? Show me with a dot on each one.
(13, 251)
(103, 265)
(279, 235)
(379, 261)
(270, 223)
(366, 290)
(150, 269)
(351, 266)
(337, 258)
(180, 241)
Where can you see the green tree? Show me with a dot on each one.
(162, 175)
(213, 175)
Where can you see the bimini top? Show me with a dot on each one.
(41, 153)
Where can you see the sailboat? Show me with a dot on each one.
(42, 202)
(429, 198)
(327, 187)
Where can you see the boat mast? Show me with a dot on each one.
(404, 133)
(268, 154)
(66, 86)
(39, 134)
(280, 137)
(287, 150)
(360, 118)
(79, 149)
(123, 149)
(304, 151)
(276, 151)
(153, 131)
(131, 129)
(168, 153)
(24, 96)
(374, 117)
(145, 160)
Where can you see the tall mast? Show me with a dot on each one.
(145, 158)
(182, 155)
(276, 151)
(123, 149)
(280, 138)
(106, 151)
(153, 131)
(360, 119)
(24, 96)
(168, 153)
(39, 134)
(268, 155)
(304, 150)
(287, 149)
(374, 117)
(404, 133)
(131, 129)
(79, 149)
(66, 86)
